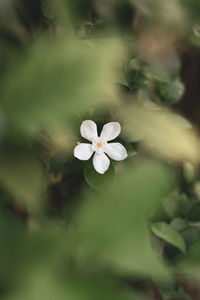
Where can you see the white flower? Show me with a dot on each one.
(100, 145)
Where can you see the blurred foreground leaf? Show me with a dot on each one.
(55, 81)
(46, 285)
(190, 265)
(21, 175)
(161, 132)
(113, 225)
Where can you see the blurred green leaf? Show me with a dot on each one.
(134, 64)
(44, 282)
(189, 172)
(194, 212)
(153, 74)
(61, 61)
(86, 287)
(190, 265)
(176, 204)
(131, 76)
(113, 226)
(74, 74)
(8, 18)
(190, 235)
(171, 92)
(192, 8)
(170, 235)
(179, 224)
(22, 176)
(174, 291)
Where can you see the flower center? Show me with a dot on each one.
(99, 144)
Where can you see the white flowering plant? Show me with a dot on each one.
(100, 145)
(99, 149)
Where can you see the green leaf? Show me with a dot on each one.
(190, 265)
(152, 74)
(77, 285)
(75, 74)
(131, 76)
(21, 175)
(171, 92)
(176, 204)
(134, 64)
(94, 179)
(194, 212)
(190, 235)
(170, 235)
(112, 226)
(179, 224)
(89, 286)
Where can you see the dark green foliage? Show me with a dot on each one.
(171, 92)
(96, 180)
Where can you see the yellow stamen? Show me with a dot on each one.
(99, 144)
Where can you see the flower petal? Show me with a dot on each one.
(83, 151)
(101, 162)
(116, 151)
(88, 130)
(110, 131)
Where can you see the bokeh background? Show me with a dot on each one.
(67, 232)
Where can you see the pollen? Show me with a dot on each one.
(99, 144)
